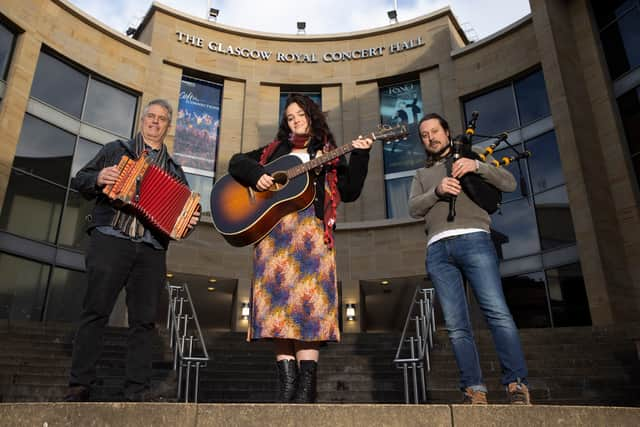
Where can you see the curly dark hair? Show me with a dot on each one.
(317, 121)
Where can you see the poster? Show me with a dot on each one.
(402, 104)
(197, 124)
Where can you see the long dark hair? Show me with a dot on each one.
(433, 158)
(319, 129)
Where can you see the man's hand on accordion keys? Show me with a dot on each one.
(108, 176)
(194, 219)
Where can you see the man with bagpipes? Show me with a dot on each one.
(459, 247)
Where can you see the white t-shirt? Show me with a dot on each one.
(454, 232)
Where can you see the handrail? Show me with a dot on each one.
(180, 323)
(421, 319)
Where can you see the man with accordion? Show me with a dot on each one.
(124, 251)
(459, 245)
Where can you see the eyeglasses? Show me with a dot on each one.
(152, 117)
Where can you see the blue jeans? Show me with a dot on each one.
(473, 255)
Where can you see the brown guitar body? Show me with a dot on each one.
(244, 216)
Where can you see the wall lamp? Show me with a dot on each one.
(350, 312)
(393, 16)
(301, 27)
(245, 311)
(213, 13)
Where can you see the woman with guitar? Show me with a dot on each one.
(294, 298)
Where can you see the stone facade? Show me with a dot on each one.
(558, 36)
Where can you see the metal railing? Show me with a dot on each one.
(415, 345)
(186, 340)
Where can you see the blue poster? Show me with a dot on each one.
(402, 104)
(197, 124)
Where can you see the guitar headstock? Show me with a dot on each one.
(387, 133)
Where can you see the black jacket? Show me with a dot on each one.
(246, 169)
(85, 182)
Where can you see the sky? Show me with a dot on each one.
(479, 18)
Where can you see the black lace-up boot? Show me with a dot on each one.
(287, 380)
(307, 382)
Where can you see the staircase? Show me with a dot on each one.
(35, 359)
(586, 366)
(357, 370)
(567, 366)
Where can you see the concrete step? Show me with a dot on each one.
(321, 415)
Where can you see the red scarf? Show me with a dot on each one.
(331, 194)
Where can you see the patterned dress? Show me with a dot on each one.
(294, 292)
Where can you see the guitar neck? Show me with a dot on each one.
(320, 160)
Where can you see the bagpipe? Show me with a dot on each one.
(481, 192)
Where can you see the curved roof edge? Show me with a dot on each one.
(445, 11)
(492, 37)
(103, 28)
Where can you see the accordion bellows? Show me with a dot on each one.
(155, 196)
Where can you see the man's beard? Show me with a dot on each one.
(440, 153)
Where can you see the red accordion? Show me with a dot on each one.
(154, 195)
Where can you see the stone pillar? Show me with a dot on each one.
(16, 97)
(589, 188)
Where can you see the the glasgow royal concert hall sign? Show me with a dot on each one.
(298, 57)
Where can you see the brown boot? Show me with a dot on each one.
(287, 380)
(307, 382)
(518, 393)
(474, 397)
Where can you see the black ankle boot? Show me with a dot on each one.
(287, 380)
(307, 382)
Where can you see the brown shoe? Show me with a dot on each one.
(474, 397)
(518, 394)
(77, 393)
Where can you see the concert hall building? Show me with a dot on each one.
(562, 82)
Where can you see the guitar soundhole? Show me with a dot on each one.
(280, 180)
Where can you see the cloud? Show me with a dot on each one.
(321, 16)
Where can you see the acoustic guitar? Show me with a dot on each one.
(244, 216)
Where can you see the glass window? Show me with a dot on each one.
(32, 207)
(620, 42)
(44, 150)
(198, 124)
(544, 164)
(66, 293)
(202, 185)
(59, 85)
(402, 104)
(110, 108)
(72, 228)
(6, 47)
(526, 296)
(554, 218)
(568, 296)
(85, 151)
(74, 221)
(315, 97)
(497, 111)
(22, 288)
(608, 11)
(629, 105)
(398, 196)
(515, 168)
(531, 96)
(515, 223)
